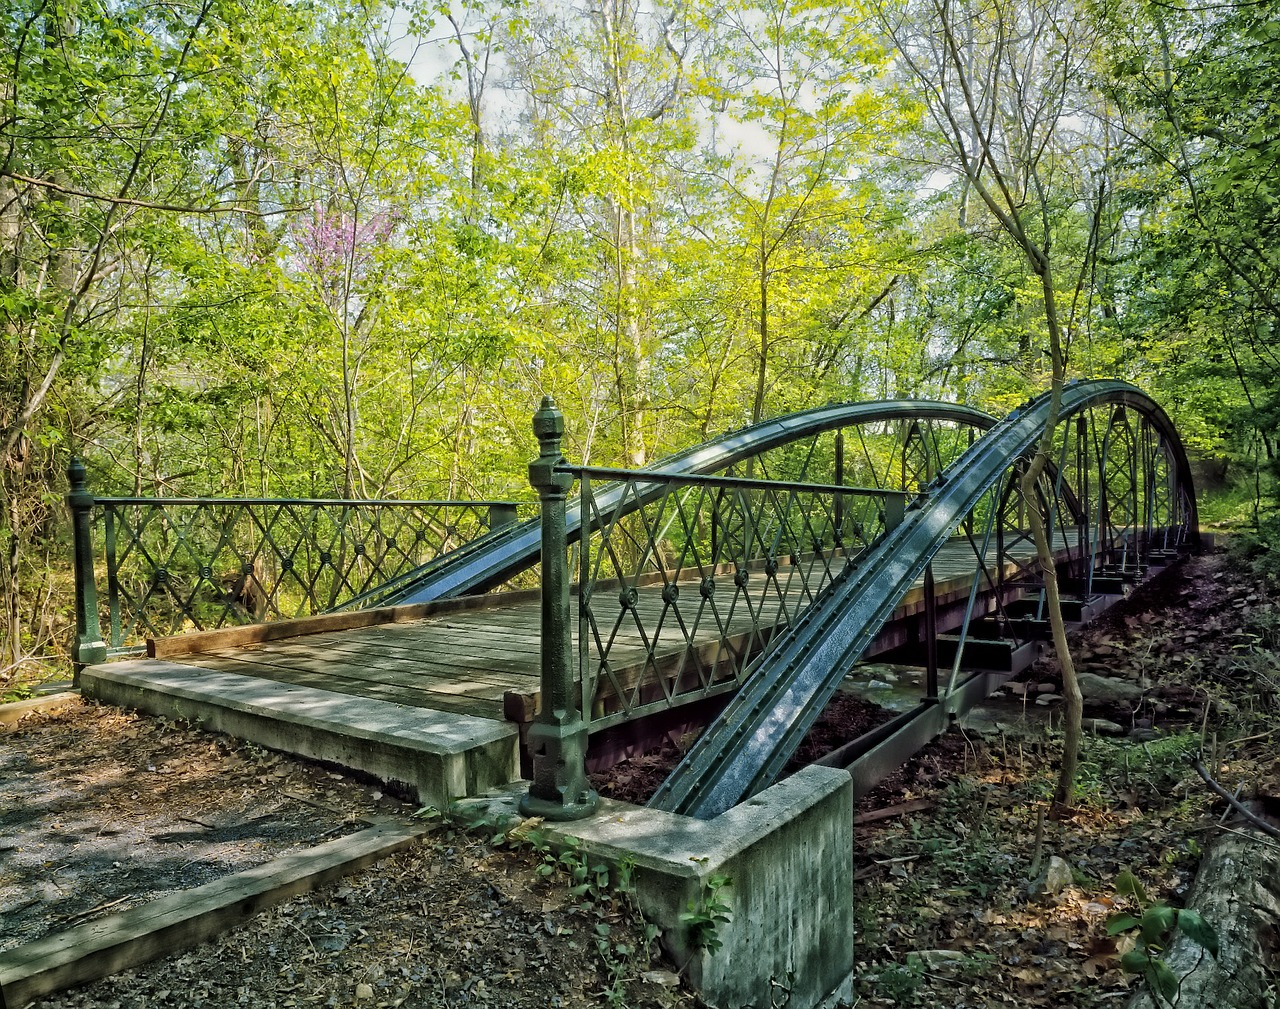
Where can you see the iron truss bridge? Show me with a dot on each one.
(763, 564)
(742, 580)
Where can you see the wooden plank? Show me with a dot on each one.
(889, 812)
(351, 680)
(428, 645)
(15, 711)
(187, 917)
(255, 665)
(482, 649)
(230, 637)
(408, 636)
(420, 697)
(331, 662)
(505, 637)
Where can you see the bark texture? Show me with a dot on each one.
(1237, 891)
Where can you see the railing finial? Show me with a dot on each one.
(77, 475)
(557, 738)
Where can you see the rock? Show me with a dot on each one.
(363, 991)
(1144, 735)
(1105, 690)
(662, 977)
(1015, 688)
(1044, 700)
(936, 958)
(879, 685)
(1104, 727)
(1046, 688)
(1056, 877)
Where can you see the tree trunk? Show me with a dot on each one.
(12, 652)
(1237, 891)
(762, 363)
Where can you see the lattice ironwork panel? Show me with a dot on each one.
(684, 580)
(200, 563)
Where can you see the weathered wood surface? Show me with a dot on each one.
(483, 659)
(1237, 891)
(13, 712)
(186, 917)
(890, 812)
(248, 634)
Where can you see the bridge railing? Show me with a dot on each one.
(682, 580)
(155, 567)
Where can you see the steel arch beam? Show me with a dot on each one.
(493, 559)
(746, 747)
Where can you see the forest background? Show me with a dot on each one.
(325, 248)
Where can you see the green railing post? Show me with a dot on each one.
(502, 514)
(558, 736)
(895, 509)
(89, 647)
(838, 480)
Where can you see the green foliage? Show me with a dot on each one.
(1262, 549)
(18, 692)
(898, 982)
(706, 913)
(1200, 92)
(1156, 766)
(1154, 926)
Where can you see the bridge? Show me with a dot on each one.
(733, 585)
(501, 650)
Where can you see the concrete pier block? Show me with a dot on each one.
(789, 854)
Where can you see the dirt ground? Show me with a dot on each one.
(103, 808)
(955, 905)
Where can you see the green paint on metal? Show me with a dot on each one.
(558, 736)
(89, 647)
(178, 564)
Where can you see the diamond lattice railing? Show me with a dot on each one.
(174, 565)
(684, 580)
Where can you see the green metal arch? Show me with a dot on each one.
(493, 559)
(745, 748)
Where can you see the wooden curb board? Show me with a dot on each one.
(13, 712)
(186, 917)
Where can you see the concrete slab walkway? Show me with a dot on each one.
(437, 756)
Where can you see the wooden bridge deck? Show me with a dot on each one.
(475, 656)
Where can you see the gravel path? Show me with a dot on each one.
(102, 809)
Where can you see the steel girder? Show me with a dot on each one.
(746, 747)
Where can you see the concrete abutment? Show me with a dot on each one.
(788, 852)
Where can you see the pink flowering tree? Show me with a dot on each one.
(344, 256)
